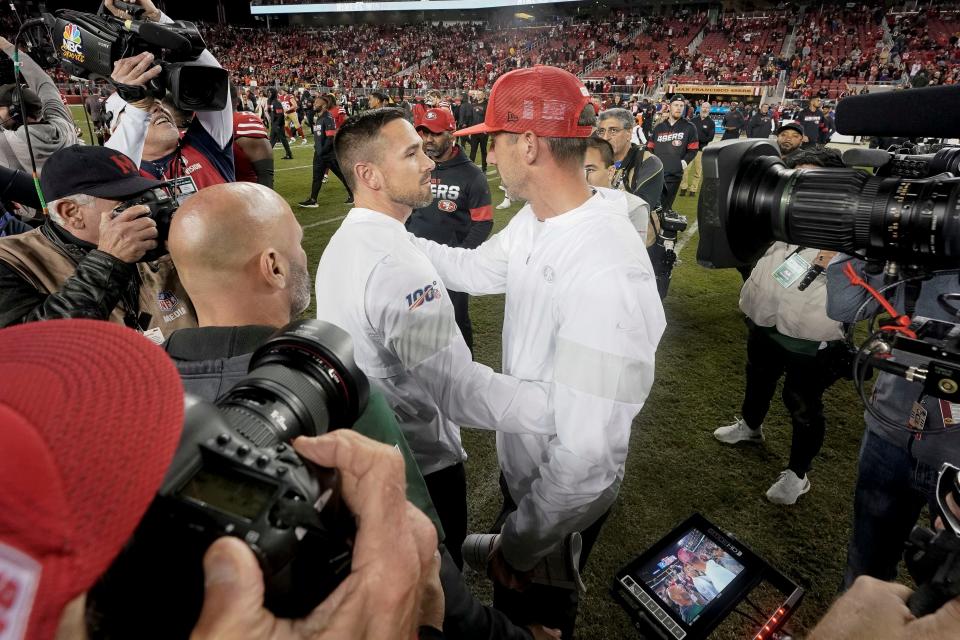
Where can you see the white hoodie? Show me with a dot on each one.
(582, 311)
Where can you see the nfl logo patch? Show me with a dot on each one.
(449, 206)
(167, 301)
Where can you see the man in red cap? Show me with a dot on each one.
(460, 214)
(582, 314)
(103, 401)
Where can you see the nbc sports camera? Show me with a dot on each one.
(100, 253)
(899, 243)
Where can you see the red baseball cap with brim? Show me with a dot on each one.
(545, 100)
(90, 417)
(437, 121)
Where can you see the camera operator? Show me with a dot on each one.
(897, 470)
(598, 168)
(790, 336)
(51, 125)
(61, 525)
(147, 132)
(211, 254)
(85, 261)
(581, 313)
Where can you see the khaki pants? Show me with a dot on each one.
(692, 175)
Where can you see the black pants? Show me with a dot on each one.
(479, 141)
(448, 491)
(322, 162)
(461, 309)
(807, 377)
(553, 607)
(277, 135)
(661, 270)
(671, 184)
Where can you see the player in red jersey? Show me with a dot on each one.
(252, 153)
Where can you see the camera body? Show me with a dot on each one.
(235, 473)
(88, 45)
(671, 222)
(162, 205)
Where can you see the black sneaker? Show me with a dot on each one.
(309, 203)
(349, 200)
(287, 158)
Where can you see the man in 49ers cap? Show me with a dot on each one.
(460, 214)
(582, 314)
(87, 261)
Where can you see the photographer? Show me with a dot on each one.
(790, 336)
(51, 125)
(84, 262)
(146, 131)
(897, 470)
(62, 525)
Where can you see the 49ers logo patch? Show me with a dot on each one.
(448, 206)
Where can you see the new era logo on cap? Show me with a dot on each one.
(512, 117)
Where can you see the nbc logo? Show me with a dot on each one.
(71, 33)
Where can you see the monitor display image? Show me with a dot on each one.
(689, 574)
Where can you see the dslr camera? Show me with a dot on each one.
(236, 473)
(87, 45)
(163, 203)
(672, 224)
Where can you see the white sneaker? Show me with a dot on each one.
(304, 143)
(738, 432)
(324, 181)
(506, 204)
(292, 140)
(788, 488)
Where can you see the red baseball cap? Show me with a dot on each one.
(437, 120)
(90, 417)
(545, 100)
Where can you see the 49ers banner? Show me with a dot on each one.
(721, 89)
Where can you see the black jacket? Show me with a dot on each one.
(706, 129)
(212, 359)
(674, 144)
(643, 177)
(461, 214)
(100, 283)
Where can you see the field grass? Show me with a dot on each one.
(675, 466)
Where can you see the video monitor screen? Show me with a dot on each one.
(689, 574)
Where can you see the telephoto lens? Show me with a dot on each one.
(749, 199)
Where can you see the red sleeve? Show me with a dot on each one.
(247, 125)
(651, 145)
(482, 214)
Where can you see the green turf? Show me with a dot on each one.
(675, 467)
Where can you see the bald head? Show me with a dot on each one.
(237, 246)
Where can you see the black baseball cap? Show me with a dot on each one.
(93, 171)
(30, 98)
(792, 126)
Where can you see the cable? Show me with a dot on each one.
(26, 116)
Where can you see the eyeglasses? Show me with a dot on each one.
(611, 130)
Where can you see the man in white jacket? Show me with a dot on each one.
(582, 311)
(375, 284)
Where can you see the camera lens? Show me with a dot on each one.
(754, 199)
(303, 381)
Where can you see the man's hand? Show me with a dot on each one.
(136, 71)
(433, 602)
(393, 553)
(129, 235)
(150, 13)
(877, 610)
(499, 570)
